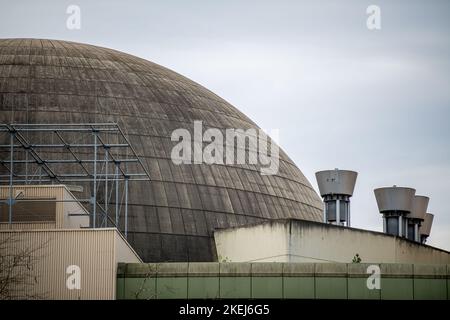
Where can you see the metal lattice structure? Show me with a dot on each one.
(94, 154)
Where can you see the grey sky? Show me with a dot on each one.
(377, 102)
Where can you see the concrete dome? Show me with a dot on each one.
(172, 217)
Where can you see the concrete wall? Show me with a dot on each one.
(265, 242)
(123, 250)
(306, 241)
(71, 207)
(281, 281)
(95, 251)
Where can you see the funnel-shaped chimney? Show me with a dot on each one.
(425, 228)
(395, 203)
(419, 209)
(336, 187)
(395, 199)
(417, 215)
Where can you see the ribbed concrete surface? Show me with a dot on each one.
(172, 218)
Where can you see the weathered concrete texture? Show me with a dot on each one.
(173, 217)
(172, 269)
(428, 282)
(286, 281)
(357, 270)
(330, 281)
(266, 281)
(137, 269)
(203, 280)
(200, 269)
(331, 287)
(330, 269)
(299, 287)
(397, 270)
(292, 240)
(357, 289)
(298, 269)
(235, 280)
(256, 243)
(235, 269)
(203, 287)
(266, 269)
(426, 270)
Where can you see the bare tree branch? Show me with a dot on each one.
(18, 269)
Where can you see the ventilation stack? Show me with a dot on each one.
(336, 187)
(425, 228)
(395, 204)
(416, 217)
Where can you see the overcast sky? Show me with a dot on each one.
(343, 96)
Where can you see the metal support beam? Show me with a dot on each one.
(74, 152)
(11, 177)
(405, 227)
(106, 189)
(117, 196)
(416, 232)
(26, 165)
(348, 215)
(338, 212)
(126, 208)
(94, 191)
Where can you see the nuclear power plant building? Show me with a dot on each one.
(94, 206)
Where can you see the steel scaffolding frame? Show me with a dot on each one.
(78, 150)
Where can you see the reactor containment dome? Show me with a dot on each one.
(171, 217)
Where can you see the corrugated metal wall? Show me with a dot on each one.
(93, 250)
(35, 191)
(27, 225)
